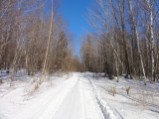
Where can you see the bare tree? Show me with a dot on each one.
(48, 42)
(137, 39)
(149, 5)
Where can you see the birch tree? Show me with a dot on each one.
(48, 41)
(137, 39)
(149, 5)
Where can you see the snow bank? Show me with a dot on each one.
(106, 110)
(141, 103)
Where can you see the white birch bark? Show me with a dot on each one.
(137, 40)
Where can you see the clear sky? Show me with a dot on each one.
(74, 13)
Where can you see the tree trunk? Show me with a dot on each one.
(137, 40)
(48, 43)
(151, 39)
(122, 11)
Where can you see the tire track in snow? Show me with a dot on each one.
(74, 99)
(49, 104)
(70, 108)
(79, 103)
(105, 109)
(91, 108)
(55, 104)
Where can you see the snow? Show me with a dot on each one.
(141, 103)
(78, 96)
(66, 98)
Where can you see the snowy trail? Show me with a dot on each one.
(77, 96)
(46, 106)
(71, 106)
(74, 99)
(80, 103)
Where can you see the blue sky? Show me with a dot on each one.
(74, 13)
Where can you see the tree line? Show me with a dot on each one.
(125, 39)
(33, 37)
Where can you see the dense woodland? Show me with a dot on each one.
(33, 39)
(124, 40)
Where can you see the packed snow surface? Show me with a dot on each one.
(78, 96)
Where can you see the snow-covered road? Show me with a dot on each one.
(72, 99)
(80, 103)
(78, 96)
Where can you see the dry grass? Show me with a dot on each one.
(1, 81)
(32, 89)
(112, 91)
(143, 100)
(127, 90)
(146, 98)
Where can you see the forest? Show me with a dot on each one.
(110, 70)
(124, 41)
